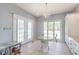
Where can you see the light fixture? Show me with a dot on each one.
(45, 11)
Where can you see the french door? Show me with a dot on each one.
(52, 30)
(20, 30)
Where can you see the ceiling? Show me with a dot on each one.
(42, 9)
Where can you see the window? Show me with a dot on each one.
(20, 30)
(45, 30)
(52, 30)
(58, 29)
(48, 28)
(29, 30)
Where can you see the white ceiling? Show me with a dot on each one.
(40, 9)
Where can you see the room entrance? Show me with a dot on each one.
(52, 30)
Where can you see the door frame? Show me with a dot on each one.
(61, 36)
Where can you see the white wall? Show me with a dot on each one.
(76, 9)
(72, 26)
(6, 20)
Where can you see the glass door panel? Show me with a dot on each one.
(57, 30)
(50, 30)
(29, 30)
(45, 30)
(20, 30)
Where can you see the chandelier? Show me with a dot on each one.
(45, 11)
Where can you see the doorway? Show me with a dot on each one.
(52, 30)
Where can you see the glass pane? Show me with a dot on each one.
(20, 30)
(45, 30)
(50, 30)
(57, 29)
(29, 30)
